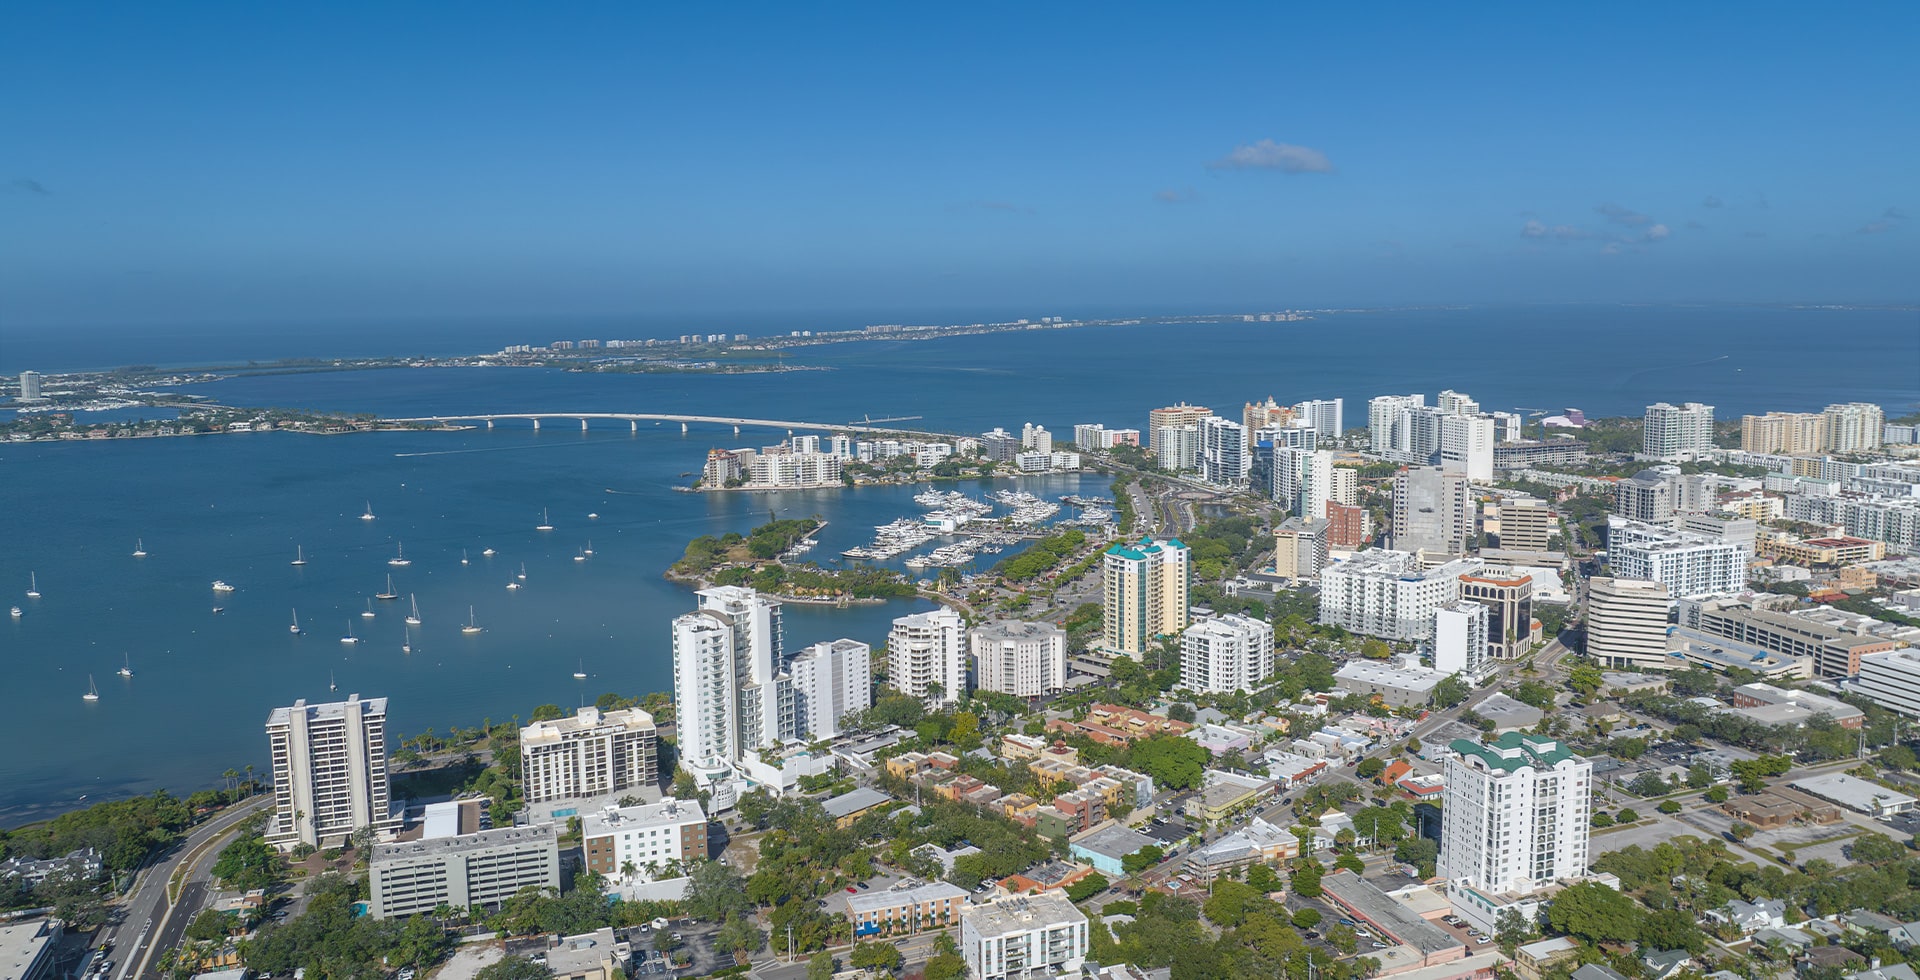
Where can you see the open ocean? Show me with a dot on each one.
(235, 507)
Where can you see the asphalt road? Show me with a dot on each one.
(147, 910)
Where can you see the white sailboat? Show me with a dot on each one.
(581, 673)
(349, 638)
(406, 642)
(523, 571)
(472, 626)
(331, 686)
(139, 548)
(93, 693)
(582, 556)
(368, 614)
(33, 585)
(400, 559)
(589, 550)
(413, 615)
(369, 514)
(463, 556)
(295, 628)
(512, 586)
(546, 524)
(389, 594)
(126, 666)
(299, 555)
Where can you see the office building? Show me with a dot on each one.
(1224, 654)
(1647, 496)
(1627, 623)
(1687, 564)
(1144, 587)
(1891, 679)
(1677, 434)
(29, 386)
(1324, 415)
(1026, 660)
(729, 685)
(1300, 548)
(1527, 524)
(590, 754)
(1022, 936)
(1855, 427)
(1787, 433)
(1516, 814)
(1173, 416)
(1223, 451)
(1460, 639)
(1386, 594)
(479, 870)
(927, 655)
(1837, 641)
(1398, 683)
(1466, 445)
(329, 771)
(1433, 512)
(1348, 526)
(1508, 599)
(645, 843)
(30, 949)
(1345, 486)
(831, 680)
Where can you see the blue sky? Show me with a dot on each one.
(202, 162)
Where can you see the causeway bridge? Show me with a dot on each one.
(633, 419)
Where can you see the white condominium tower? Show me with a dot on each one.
(1677, 434)
(1433, 512)
(1223, 451)
(1144, 587)
(1687, 564)
(729, 684)
(329, 771)
(1855, 427)
(1627, 623)
(1323, 415)
(831, 680)
(589, 754)
(928, 651)
(1460, 639)
(1224, 654)
(1386, 594)
(1466, 445)
(1026, 660)
(1303, 481)
(1516, 814)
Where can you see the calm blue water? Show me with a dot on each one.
(235, 507)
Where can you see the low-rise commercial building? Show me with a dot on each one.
(905, 911)
(1368, 904)
(1755, 700)
(590, 956)
(1022, 936)
(27, 948)
(478, 870)
(1891, 679)
(645, 843)
(1397, 683)
(1107, 849)
(1856, 794)
(1835, 643)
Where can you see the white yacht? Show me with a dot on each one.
(299, 555)
(400, 559)
(349, 638)
(487, 553)
(126, 666)
(219, 586)
(16, 612)
(369, 514)
(472, 626)
(139, 548)
(545, 523)
(413, 615)
(389, 594)
(93, 693)
(33, 585)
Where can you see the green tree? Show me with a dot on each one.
(545, 712)
(1595, 913)
(1451, 691)
(1585, 678)
(1627, 815)
(1741, 830)
(248, 863)
(514, 968)
(714, 892)
(1510, 929)
(1420, 852)
(1171, 760)
(1088, 887)
(1306, 878)
(210, 926)
(1717, 794)
(1306, 918)
(1369, 768)
(739, 937)
(875, 956)
(1375, 650)
(1143, 859)
(1672, 929)
(945, 966)
(1899, 757)
(820, 966)
(1670, 806)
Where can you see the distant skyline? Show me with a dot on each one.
(220, 163)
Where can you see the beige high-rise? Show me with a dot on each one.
(1144, 588)
(590, 754)
(1627, 623)
(329, 771)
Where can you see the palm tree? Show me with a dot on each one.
(249, 779)
(232, 776)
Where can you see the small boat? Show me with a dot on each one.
(582, 556)
(16, 612)
(545, 523)
(589, 550)
(139, 548)
(523, 571)
(400, 559)
(299, 556)
(219, 586)
(295, 628)
(512, 586)
(581, 673)
(472, 626)
(487, 553)
(33, 585)
(406, 643)
(369, 514)
(331, 686)
(126, 667)
(217, 610)
(389, 594)
(369, 613)
(463, 556)
(594, 516)
(413, 615)
(93, 693)
(349, 638)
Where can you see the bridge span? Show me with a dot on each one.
(635, 418)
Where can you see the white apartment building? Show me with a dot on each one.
(1677, 434)
(793, 469)
(1177, 446)
(1303, 481)
(1040, 935)
(1036, 438)
(1687, 564)
(1456, 403)
(1091, 436)
(1386, 594)
(729, 683)
(1144, 588)
(1466, 445)
(1855, 427)
(1627, 623)
(1507, 426)
(1324, 415)
(831, 679)
(928, 650)
(1891, 679)
(1516, 814)
(640, 844)
(1224, 654)
(329, 771)
(589, 754)
(1390, 426)
(1026, 660)
(480, 870)
(1647, 496)
(1460, 639)
(1223, 451)
(1345, 486)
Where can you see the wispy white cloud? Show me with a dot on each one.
(1559, 233)
(1622, 216)
(1657, 233)
(1269, 155)
(1174, 195)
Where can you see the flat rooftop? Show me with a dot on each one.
(21, 943)
(328, 711)
(1020, 914)
(1854, 793)
(1393, 918)
(530, 836)
(893, 898)
(667, 812)
(854, 801)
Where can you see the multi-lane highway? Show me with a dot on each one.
(144, 922)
